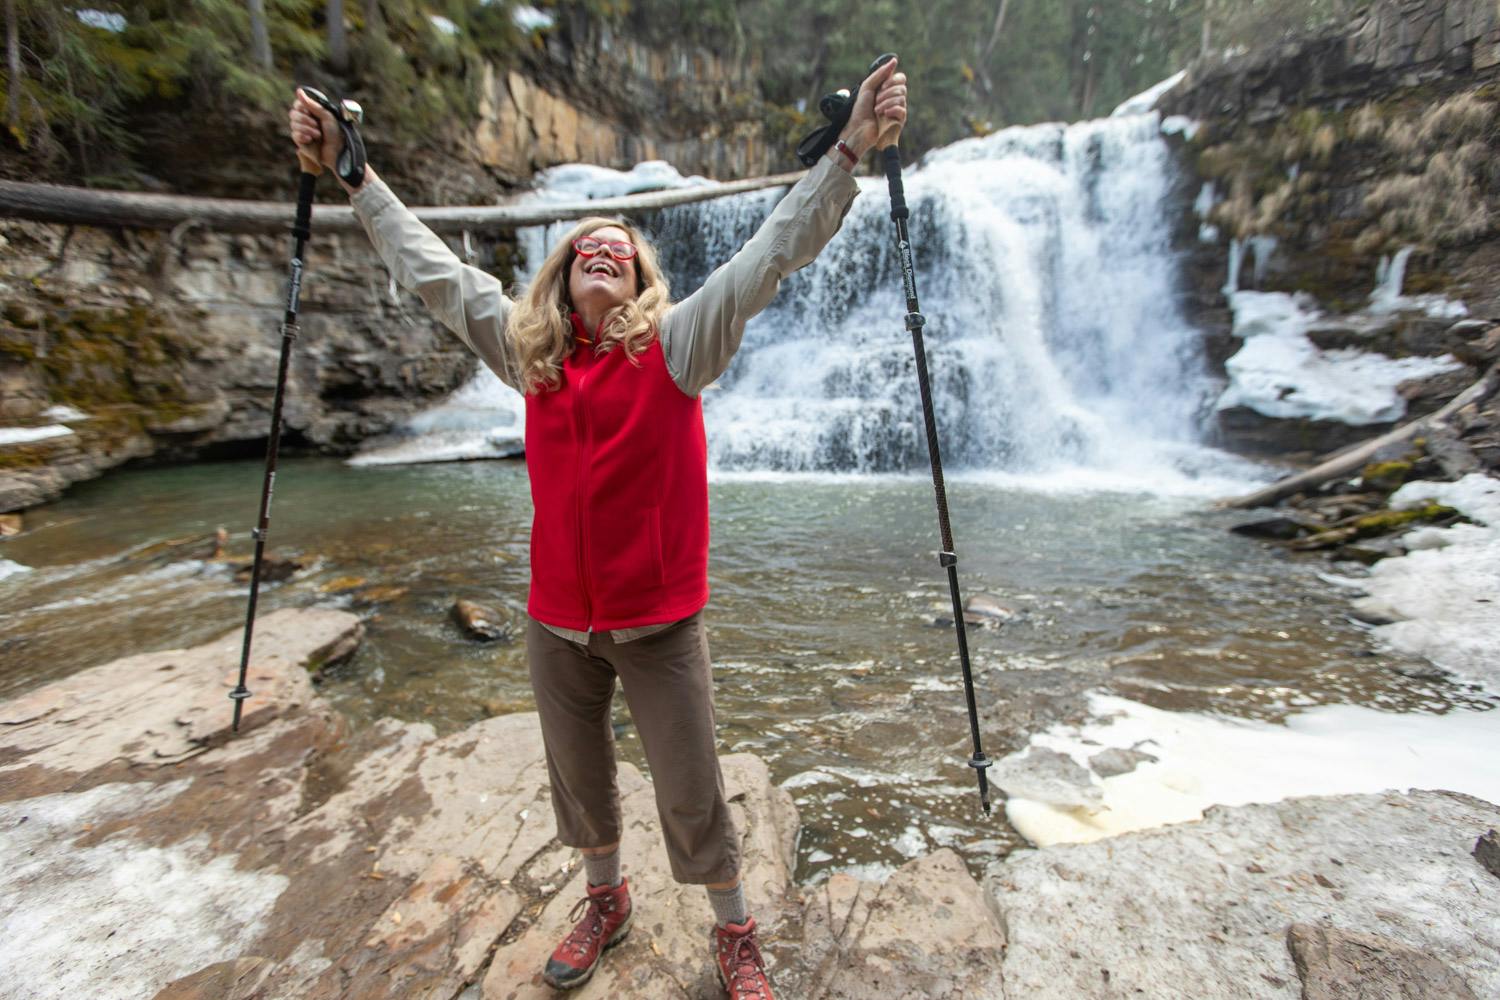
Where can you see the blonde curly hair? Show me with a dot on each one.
(539, 325)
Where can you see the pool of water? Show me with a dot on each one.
(830, 660)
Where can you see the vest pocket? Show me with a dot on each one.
(626, 568)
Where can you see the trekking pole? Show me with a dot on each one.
(948, 559)
(351, 167)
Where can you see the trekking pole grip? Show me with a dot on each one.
(891, 160)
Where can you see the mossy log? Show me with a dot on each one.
(90, 207)
(1350, 459)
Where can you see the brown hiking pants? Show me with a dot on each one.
(669, 690)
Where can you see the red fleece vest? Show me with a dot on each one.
(619, 478)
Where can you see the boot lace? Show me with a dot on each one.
(587, 930)
(747, 969)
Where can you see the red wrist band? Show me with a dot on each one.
(843, 147)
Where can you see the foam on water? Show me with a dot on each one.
(1203, 760)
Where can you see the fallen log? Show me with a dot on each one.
(137, 210)
(1346, 461)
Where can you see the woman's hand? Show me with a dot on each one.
(879, 110)
(314, 131)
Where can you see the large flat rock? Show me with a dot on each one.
(1203, 910)
(144, 852)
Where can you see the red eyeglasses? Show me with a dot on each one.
(587, 246)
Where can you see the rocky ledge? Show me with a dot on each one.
(149, 852)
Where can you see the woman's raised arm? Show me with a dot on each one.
(470, 302)
(702, 332)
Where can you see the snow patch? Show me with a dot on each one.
(64, 414)
(1180, 124)
(24, 435)
(574, 182)
(1146, 99)
(1206, 760)
(1446, 590)
(1281, 373)
(120, 912)
(528, 18)
(108, 20)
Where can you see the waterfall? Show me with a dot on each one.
(1054, 335)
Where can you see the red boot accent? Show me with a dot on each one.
(742, 972)
(606, 920)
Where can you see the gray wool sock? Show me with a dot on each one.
(603, 869)
(729, 905)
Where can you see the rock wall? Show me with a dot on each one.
(593, 95)
(160, 345)
(1338, 151)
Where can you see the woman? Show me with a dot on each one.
(612, 371)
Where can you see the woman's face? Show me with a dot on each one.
(599, 283)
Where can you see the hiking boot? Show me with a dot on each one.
(742, 972)
(606, 917)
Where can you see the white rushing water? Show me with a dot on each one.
(1055, 341)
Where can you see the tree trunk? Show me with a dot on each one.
(13, 70)
(88, 207)
(982, 58)
(260, 37)
(374, 20)
(338, 41)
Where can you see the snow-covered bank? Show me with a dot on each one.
(1280, 372)
(1444, 594)
(1203, 760)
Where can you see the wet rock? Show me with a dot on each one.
(1487, 852)
(481, 621)
(1208, 903)
(1047, 776)
(1282, 527)
(1245, 430)
(1371, 551)
(156, 708)
(987, 607)
(10, 525)
(1360, 331)
(1386, 476)
(1424, 395)
(1335, 964)
(928, 931)
(1117, 760)
(273, 569)
(1478, 347)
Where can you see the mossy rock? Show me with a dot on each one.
(1386, 476)
(1383, 522)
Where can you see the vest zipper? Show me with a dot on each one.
(581, 421)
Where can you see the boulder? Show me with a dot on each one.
(1202, 909)
(1042, 775)
(481, 621)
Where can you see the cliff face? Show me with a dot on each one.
(593, 95)
(153, 345)
(1331, 154)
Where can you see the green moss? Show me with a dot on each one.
(1386, 476)
(1383, 522)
